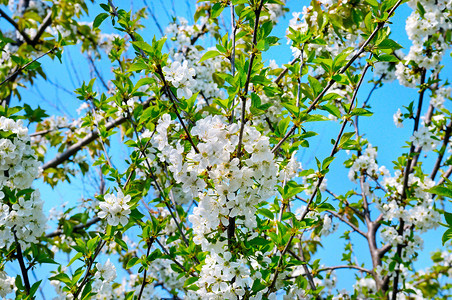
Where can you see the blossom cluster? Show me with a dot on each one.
(225, 188)
(7, 284)
(115, 208)
(424, 138)
(307, 20)
(22, 215)
(181, 77)
(427, 29)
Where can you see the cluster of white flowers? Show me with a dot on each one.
(440, 96)
(421, 214)
(310, 183)
(424, 138)
(428, 47)
(103, 279)
(407, 76)
(7, 284)
(18, 169)
(115, 208)
(274, 10)
(182, 33)
(307, 20)
(225, 188)
(204, 71)
(398, 120)
(365, 287)
(181, 77)
(365, 164)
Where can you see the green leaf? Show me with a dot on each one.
(209, 54)
(387, 58)
(441, 191)
(34, 287)
(77, 256)
(190, 281)
(327, 161)
(373, 3)
(33, 65)
(447, 236)
(133, 261)
(259, 241)
(138, 66)
(267, 213)
(448, 217)
(99, 19)
(389, 44)
(143, 46)
(332, 109)
(420, 9)
(315, 85)
(61, 277)
(361, 112)
(345, 138)
(144, 81)
(325, 206)
(217, 8)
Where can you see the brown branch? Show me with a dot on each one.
(45, 23)
(340, 217)
(408, 170)
(445, 175)
(284, 71)
(442, 151)
(149, 244)
(78, 227)
(16, 26)
(20, 258)
(346, 267)
(21, 68)
(248, 78)
(60, 158)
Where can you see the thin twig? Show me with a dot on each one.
(20, 258)
(16, 26)
(442, 150)
(60, 158)
(91, 261)
(346, 267)
(233, 30)
(284, 71)
(20, 69)
(408, 170)
(45, 23)
(248, 78)
(149, 244)
(78, 227)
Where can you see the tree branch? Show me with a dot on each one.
(16, 26)
(20, 258)
(20, 69)
(60, 158)
(149, 244)
(59, 232)
(346, 267)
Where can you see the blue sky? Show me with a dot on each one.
(380, 129)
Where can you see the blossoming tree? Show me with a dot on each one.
(211, 200)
